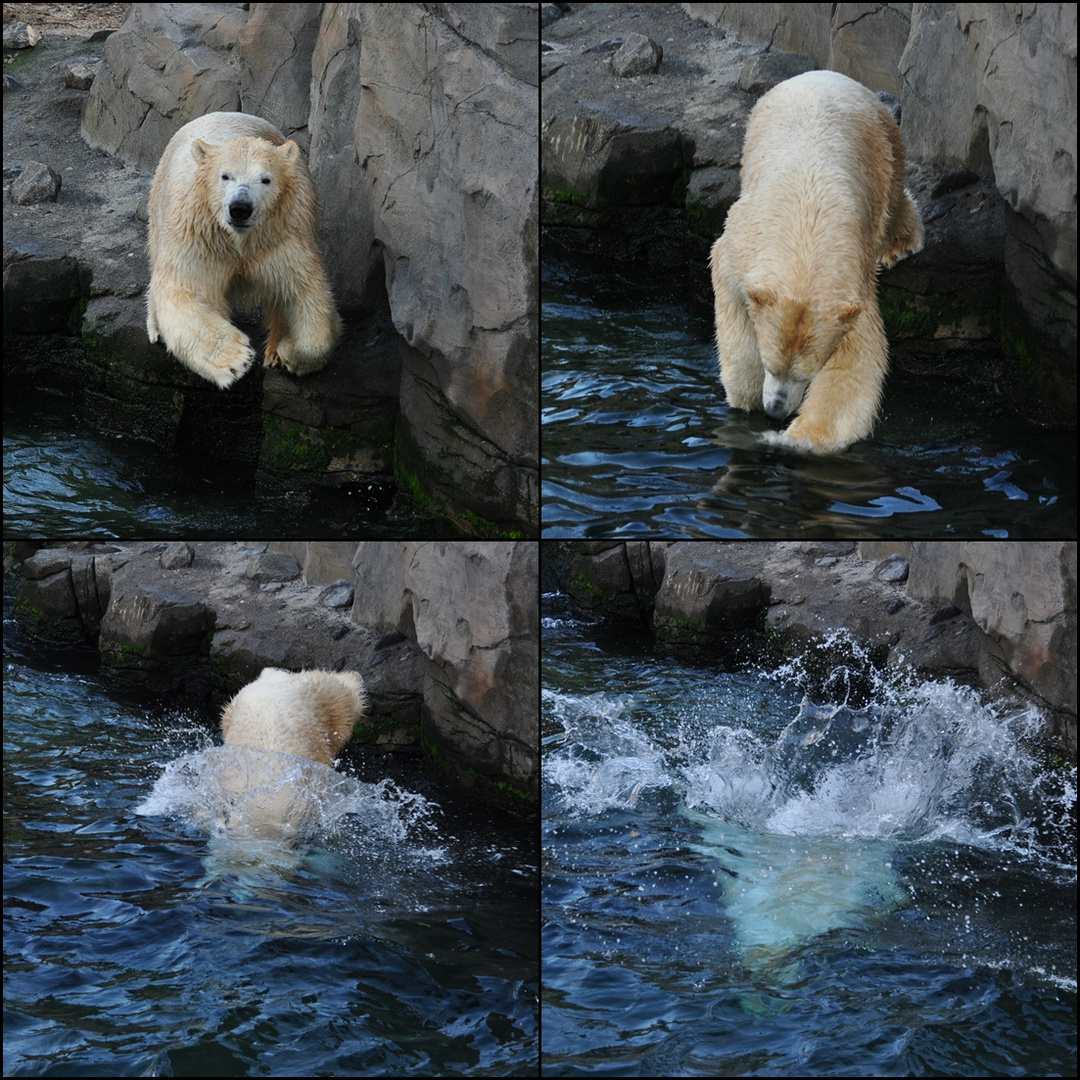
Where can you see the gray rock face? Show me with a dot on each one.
(420, 125)
(440, 126)
(1022, 597)
(269, 567)
(1010, 122)
(65, 592)
(980, 609)
(617, 580)
(472, 609)
(36, 183)
(156, 634)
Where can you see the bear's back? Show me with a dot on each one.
(309, 713)
(820, 120)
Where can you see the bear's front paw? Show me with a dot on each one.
(807, 443)
(230, 360)
(298, 358)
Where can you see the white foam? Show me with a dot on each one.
(245, 793)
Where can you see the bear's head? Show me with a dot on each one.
(795, 341)
(248, 176)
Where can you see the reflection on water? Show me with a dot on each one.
(62, 479)
(638, 440)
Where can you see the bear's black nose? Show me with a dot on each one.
(240, 210)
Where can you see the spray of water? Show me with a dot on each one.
(935, 763)
(805, 811)
(605, 761)
(245, 793)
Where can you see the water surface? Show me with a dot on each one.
(637, 439)
(398, 942)
(739, 879)
(63, 479)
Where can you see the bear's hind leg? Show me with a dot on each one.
(905, 236)
(304, 322)
(151, 315)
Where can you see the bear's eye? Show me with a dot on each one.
(266, 179)
(225, 176)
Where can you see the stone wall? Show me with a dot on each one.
(1022, 596)
(472, 608)
(863, 42)
(980, 610)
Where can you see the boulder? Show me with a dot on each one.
(472, 609)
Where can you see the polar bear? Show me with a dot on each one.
(309, 713)
(233, 213)
(794, 274)
(283, 732)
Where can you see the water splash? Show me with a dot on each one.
(826, 816)
(806, 829)
(245, 793)
(606, 761)
(935, 762)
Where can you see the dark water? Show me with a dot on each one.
(637, 440)
(62, 479)
(740, 880)
(403, 942)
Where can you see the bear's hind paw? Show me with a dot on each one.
(297, 361)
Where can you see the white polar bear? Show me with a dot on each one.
(233, 214)
(795, 272)
(309, 713)
(283, 732)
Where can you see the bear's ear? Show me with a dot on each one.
(290, 151)
(760, 297)
(844, 313)
(199, 150)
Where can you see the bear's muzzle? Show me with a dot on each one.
(781, 398)
(241, 210)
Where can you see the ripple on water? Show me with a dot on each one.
(637, 439)
(739, 878)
